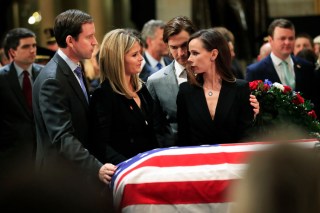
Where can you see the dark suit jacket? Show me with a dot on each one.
(233, 117)
(147, 70)
(304, 72)
(17, 130)
(62, 120)
(122, 129)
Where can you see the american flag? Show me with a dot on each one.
(184, 179)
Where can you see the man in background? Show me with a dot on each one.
(264, 51)
(17, 128)
(155, 50)
(281, 66)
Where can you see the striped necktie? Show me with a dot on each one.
(78, 72)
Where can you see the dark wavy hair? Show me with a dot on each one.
(213, 39)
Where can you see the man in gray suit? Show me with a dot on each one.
(61, 107)
(17, 129)
(164, 84)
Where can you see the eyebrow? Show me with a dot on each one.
(183, 44)
(28, 45)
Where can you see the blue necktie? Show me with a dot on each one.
(159, 66)
(78, 72)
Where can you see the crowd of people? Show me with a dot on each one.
(170, 85)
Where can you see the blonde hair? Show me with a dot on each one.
(115, 45)
(91, 66)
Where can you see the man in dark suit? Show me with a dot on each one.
(156, 51)
(299, 74)
(17, 129)
(61, 107)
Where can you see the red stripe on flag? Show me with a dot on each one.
(192, 160)
(191, 192)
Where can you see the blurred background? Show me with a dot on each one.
(246, 19)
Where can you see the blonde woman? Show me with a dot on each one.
(122, 107)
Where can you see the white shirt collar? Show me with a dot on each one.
(70, 63)
(181, 77)
(178, 67)
(20, 70)
(153, 62)
(277, 61)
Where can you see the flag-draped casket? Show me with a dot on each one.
(184, 179)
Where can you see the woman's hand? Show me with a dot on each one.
(256, 106)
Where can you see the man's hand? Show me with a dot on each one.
(106, 172)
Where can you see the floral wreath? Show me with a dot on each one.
(279, 104)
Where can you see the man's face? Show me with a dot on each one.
(178, 47)
(282, 42)
(300, 44)
(157, 43)
(25, 54)
(83, 47)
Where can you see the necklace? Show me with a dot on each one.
(209, 91)
(216, 86)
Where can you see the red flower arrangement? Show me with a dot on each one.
(279, 104)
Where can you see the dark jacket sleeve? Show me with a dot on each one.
(182, 117)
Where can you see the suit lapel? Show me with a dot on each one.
(16, 88)
(226, 96)
(199, 102)
(135, 110)
(271, 70)
(35, 72)
(296, 67)
(146, 59)
(167, 60)
(71, 79)
(171, 79)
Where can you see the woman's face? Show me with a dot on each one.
(133, 60)
(200, 58)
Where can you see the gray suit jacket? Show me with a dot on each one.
(163, 87)
(62, 120)
(17, 130)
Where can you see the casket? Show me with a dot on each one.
(184, 179)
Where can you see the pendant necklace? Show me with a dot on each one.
(209, 93)
(215, 85)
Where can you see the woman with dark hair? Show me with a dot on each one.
(213, 107)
